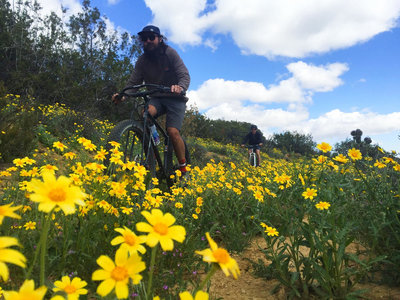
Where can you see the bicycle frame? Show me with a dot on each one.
(252, 156)
(147, 118)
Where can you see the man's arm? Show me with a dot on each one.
(137, 74)
(259, 138)
(135, 78)
(181, 71)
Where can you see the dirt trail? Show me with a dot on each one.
(248, 287)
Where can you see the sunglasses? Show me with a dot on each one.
(150, 37)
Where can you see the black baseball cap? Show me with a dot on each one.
(150, 29)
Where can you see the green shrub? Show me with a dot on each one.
(17, 121)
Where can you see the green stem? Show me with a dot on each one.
(37, 250)
(43, 248)
(151, 270)
(214, 268)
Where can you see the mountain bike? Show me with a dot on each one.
(134, 136)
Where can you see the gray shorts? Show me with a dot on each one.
(174, 108)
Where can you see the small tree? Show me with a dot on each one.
(293, 142)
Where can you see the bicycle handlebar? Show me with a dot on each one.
(154, 88)
(252, 146)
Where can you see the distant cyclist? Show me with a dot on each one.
(254, 139)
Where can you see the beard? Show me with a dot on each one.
(150, 51)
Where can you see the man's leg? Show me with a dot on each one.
(152, 110)
(179, 147)
(258, 157)
(175, 114)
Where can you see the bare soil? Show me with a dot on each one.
(249, 287)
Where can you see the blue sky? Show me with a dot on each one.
(319, 67)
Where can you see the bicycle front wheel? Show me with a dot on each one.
(129, 135)
(252, 159)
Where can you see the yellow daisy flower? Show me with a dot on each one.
(73, 288)
(9, 255)
(48, 168)
(60, 146)
(322, 205)
(309, 193)
(324, 147)
(160, 229)
(26, 291)
(70, 155)
(200, 295)
(30, 225)
(379, 164)
(271, 231)
(8, 211)
(53, 192)
(116, 275)
(354, 154)
(129, 240)
(214, 254)
(341, 158)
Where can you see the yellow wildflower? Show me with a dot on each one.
(379, 164)
(322, 205)
(56, 192)
(214, 254)
(60, 146)
(26, 291)
(354, 154)
(73, 288)
(8, 211)
(324, 147)
(30, 225)
(9, 255)
(160, 229)
(200, 295)
(116, 275)
(309, 193)
(70, 155)
(341, 158)
(129, 240)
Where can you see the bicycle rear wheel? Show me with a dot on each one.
(129, 134)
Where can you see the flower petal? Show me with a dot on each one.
(121, 290)
(106, 287)
(144, 227)
(177, 232)
(106, 263)
(100, 275)
(166, 244)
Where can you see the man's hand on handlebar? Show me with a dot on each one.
(176, 89)
(116, 98)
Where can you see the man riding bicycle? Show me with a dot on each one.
(160, 64)
(254, 139)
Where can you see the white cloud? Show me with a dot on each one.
(48, 6)
(180, 18)
(336, 123)
(319, 79)
(295, 91)
(277, 28)
(112, 2)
